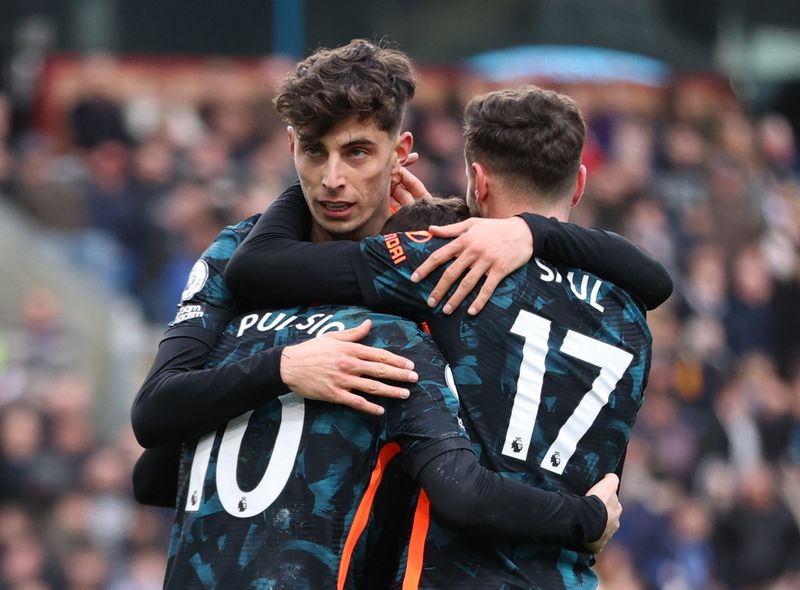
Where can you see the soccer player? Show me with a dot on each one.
(308, 501)
(550, 375)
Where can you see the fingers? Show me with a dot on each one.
(378, 388)
(381, 370)
(453, 230)
(413, 185)
(608, 485)
(411, 158)
(351, 334)
(402, 196)
(459, 267)
(377, 356)
(435, 260)
(359, 403)
(486, 292)
(368, 353)
(465, 287)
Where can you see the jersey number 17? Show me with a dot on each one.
(613, 363)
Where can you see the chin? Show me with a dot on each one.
(340, 229)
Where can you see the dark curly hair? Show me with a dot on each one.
(358, 79)
(526, 133)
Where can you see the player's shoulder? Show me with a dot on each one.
(229, 239)
(593, 294)
(399, 246)
(384, 325)
(405, 337)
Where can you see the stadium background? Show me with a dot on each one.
(130, 132)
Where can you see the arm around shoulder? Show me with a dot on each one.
(604, 253)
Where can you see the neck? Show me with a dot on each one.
(511, 204)
(319, 234)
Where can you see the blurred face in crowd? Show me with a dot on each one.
(346, 176)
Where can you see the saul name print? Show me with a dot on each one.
(582, 290)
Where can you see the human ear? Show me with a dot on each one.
(403, 146)
(291, 136)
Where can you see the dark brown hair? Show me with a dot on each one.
(528, 134)
(425, 212)
(358, 79)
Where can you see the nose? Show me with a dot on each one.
(333, 177)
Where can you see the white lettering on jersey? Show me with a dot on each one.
(581, 291)
(268, 322)
(189, 312)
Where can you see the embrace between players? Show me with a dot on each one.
(311, 445)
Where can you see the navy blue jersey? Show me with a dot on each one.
(279, 497)
(550, 376)
(206, 301)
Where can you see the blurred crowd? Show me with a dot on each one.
(134, 185)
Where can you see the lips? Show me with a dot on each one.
(335, 208)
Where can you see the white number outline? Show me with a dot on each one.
(234, 500)
(613, 362)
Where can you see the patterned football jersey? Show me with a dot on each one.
(281, 496)
(206, 301)
(550, 376)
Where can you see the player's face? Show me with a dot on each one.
(346, 176)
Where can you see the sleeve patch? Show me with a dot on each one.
(189, 312)
(197, 280)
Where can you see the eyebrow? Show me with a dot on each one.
(357, 142)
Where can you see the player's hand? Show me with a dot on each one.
(491, 248)
(406, 188)
(606, 490)
(330, 367)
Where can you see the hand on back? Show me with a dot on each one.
(606, 490)
(333, 366)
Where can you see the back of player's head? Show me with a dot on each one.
(527, 135)
(359, 79)
(425, 212)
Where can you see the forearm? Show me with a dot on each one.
(275, 266)
(180, 402)
(286, 272)
(606, 254)
(465, 494)
(155, 477)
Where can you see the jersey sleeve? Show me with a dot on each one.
(465, 494)
(275, 266)
(155, 476)
(427, 422)
(603, 253)
(207, 304)
(388, 262)
(179, 400)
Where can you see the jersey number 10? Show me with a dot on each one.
(613, 363)
(234, 500)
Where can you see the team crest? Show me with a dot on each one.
(197, 280)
